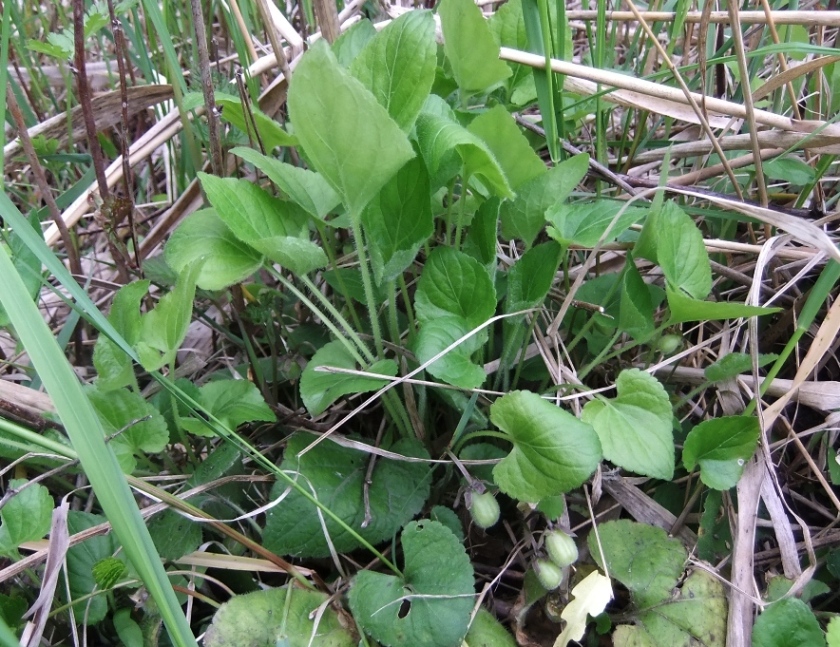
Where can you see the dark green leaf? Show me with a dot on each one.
(553, 452)
(174, 535)
(636, 308)
(456, 367)
(398, 221)
(530, 279)
(233, 402)
(352, 41)
(787, 622)
(733, 364)
(336, 476)
(81, 560)
(430, 605)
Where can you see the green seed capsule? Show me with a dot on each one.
(548, 573)
(484, 509)
(669, 344)
(561, 548)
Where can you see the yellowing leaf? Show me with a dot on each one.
(591, 597)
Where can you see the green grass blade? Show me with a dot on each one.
(88, 438)
(539, 42)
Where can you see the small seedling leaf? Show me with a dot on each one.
(553, 452)
(319, 389)
(336, 476)
(233, 402)
(584, 223)
(721, 447)
(431, 603)
(733, 364)
(635, 428)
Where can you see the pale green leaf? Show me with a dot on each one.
(348, 136)
(721, 447)
(636, 428)
(448, 148)
(26, 516)
(278, 618)
(833, 632)
(524, 217)
(499, 131)
(319, 389)
(487, 631)
(352, 41)
(431, 604)
(269, 132)
(204, 235)
(457, 366)
(470, 48)
(789, 169)
(584, 223)
(553, 452)
(398, 65)
(336, 477)
(308, 189)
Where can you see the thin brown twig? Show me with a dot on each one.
(207, 88)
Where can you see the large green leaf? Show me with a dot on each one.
(470, 48)
(26, 516)
(273, 227)
(398, 65)
(524, 217)
(336, 476)
(721, 447)
(319, 389)
(553, 452)
(308, 189)
(234, 402)
(456, 367)
(288, 616)
(398, 220)
(447, 146)
(499, 131)
(583, 223)
(636, 307)
(636, 428)
(348, 136)
(430, 604)
(204, 235)
(508, 27)
(685, 308)
(453, 283)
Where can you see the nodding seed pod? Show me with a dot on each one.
(548, 573)
(561, 548)
(484, 509)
